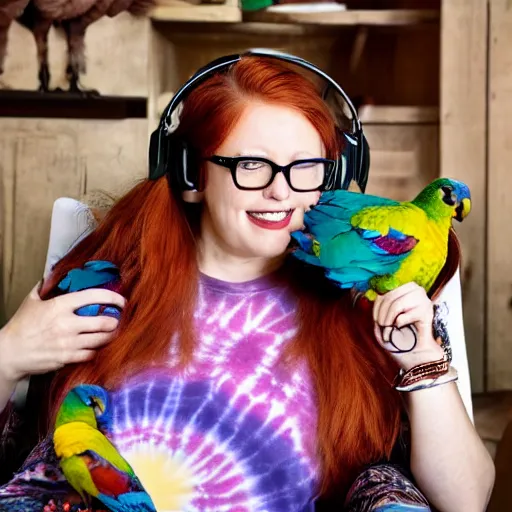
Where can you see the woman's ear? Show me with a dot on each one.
(192, 196)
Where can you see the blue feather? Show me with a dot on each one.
(401, 507)
(306, 257)
(394, 233)
(368, 234)
(93, 274)
(350, 256)
(89, 310)
(129, 502)
(305, 242)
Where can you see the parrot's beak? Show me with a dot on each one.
(462, 210)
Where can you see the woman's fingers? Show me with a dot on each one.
(88, 324)
(76, 300)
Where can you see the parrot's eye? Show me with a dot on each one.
(97, 406)
(448, 195)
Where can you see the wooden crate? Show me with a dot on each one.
(116, 52)
(404, 149)
(41, 160)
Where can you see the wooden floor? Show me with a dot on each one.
(492, 412)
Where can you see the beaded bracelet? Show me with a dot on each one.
(422, 371)
(431, 381)
(427, 374)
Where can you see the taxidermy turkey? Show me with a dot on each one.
(74, 17)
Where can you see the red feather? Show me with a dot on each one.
(107, 479)
(395, 245)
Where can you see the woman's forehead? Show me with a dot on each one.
(269, 128)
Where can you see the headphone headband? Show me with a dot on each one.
(162, 147)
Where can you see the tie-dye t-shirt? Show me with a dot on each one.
(237, 431)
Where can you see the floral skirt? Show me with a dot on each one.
(385, 488)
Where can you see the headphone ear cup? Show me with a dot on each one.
(348, 163)
(159, 153)
(184, 170)
(364, 171)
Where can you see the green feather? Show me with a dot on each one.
(73, 409)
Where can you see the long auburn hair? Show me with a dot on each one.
(149, 234)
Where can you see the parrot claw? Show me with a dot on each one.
(371, 295)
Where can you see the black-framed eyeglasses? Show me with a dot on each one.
(257, 173)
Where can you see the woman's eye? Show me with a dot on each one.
(305, 165)
(251, 165)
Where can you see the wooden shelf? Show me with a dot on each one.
(395, 114)
(180, 10)
(348, 17)
(67, 105)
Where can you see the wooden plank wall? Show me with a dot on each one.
(116, 56)
(463, 143)
(43, 159)
(499, 247)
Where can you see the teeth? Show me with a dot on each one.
(270, 216)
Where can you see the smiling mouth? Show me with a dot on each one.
(271, 216)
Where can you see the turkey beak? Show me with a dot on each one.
(462, 210)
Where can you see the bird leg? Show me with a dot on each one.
(40, 30)
(3, 45)
(75, 33)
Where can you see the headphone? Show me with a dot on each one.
(169, 155)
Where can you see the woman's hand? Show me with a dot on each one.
(43, 336)
(405, 306)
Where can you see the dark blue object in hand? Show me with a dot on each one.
(94, 274)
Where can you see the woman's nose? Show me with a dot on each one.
(278, 189)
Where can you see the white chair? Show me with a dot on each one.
(72, 220)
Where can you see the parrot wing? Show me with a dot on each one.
(118, 490)
(95, 475)
(91, 463)
(77, 437)
(355, 244)
(335, 210)
(93, 274)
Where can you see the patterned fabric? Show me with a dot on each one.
(385, 488)
(236, 432)
(37, 481)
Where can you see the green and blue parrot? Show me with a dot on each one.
(373, 245)
(90, 462)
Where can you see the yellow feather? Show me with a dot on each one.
(76, 437)
(426, 259)
(78, 476)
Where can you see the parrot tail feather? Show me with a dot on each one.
(129, 502)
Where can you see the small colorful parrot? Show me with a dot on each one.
(373, 245)
(89, 461)
(94, 274)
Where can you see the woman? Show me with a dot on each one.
(244, 382)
